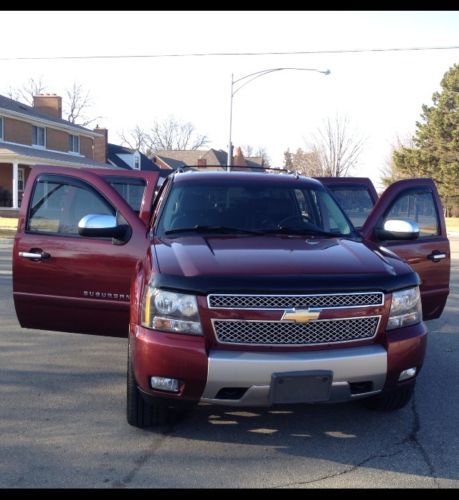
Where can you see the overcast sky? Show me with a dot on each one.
(381, 93)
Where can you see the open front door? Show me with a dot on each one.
(355, 195)
(65, 281)
(429, 254)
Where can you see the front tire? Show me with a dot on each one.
(140, 413)
(391, 400)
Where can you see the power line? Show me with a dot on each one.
(225, 54)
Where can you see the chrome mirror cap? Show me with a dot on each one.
(398, 229)
(97, 221)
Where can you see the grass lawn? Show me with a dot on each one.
(452, 223)
(8, 223)
(8, 227)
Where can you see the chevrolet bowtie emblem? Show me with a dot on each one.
(300, 315)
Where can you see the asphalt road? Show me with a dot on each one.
(63, 424)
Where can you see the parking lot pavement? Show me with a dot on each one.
(63, 424)
(6, 247)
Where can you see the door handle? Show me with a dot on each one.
(35, 255)
(437, 256)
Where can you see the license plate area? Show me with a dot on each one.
(300, 387)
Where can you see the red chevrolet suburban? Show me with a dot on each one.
(237, 288)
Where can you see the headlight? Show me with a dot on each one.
(170, 312)
(405, 309)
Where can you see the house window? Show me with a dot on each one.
(20, 179)
(38, 136)
(1, 128)
(136, 161)
(74, 143)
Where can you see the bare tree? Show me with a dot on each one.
(135, 139)
(171, 134)
(76, 103)
(288, 160)
(27, 91)
(337, 146)
(76, 100)
(166, 135)
(306, 162)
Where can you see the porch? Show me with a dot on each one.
(13, 177)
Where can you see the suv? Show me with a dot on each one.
(237, 288)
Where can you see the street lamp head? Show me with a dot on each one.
(252, 77)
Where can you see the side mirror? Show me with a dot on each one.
(102, 226)
(395, 229)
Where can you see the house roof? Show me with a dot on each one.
(221, 156)
(254, 161)
(177, 158)
(44, 154)
(113, 150)
(215, 157)
(25, 109)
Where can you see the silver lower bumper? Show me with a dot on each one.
(253, 371)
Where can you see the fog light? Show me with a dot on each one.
(165, 384)
(411, 372)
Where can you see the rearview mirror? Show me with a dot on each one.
(398, 229)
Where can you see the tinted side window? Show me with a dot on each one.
(57, 207)
(417, 206)
(355, 201)
(131, 189)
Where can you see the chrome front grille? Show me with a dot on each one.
(328, 331)
(228, 301)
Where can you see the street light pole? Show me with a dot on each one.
(254, 76)
(230, 149)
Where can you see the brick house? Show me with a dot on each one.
(33, 135)
(174, 159)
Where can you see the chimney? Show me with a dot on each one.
(238, 160)
(48, 104)
(100, 145)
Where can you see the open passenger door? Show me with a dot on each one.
(413, 199)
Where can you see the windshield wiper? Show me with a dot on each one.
(303, 231)
(212, 229)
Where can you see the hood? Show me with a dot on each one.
(277, 255)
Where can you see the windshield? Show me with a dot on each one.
(251, 208)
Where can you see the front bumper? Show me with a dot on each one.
(252, 370)
(357, 371)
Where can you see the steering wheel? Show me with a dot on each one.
(294, 217)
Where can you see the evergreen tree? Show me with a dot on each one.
(435, 151)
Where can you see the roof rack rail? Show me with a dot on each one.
(237, 168)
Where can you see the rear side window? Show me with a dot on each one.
(417, 206)
(130, 188)
(355, 201)
(57, 206)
